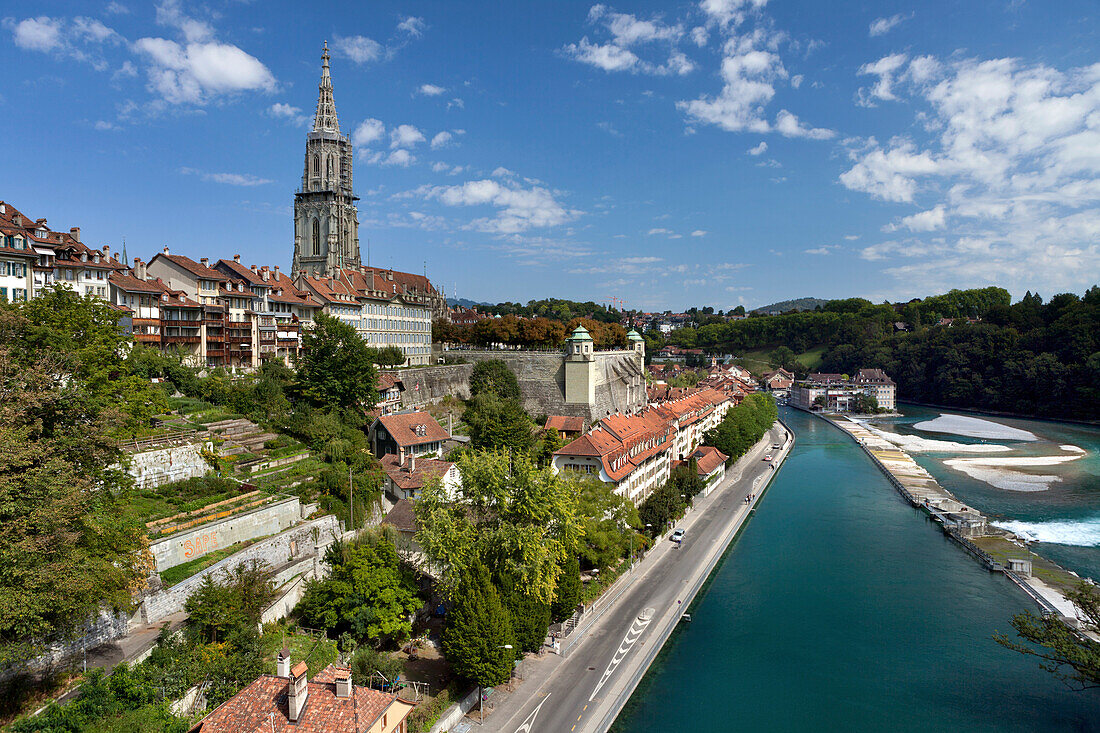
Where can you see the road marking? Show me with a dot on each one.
(631, 637)
(526, 726)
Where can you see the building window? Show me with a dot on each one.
(316, 236)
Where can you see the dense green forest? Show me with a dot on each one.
(1028, 357)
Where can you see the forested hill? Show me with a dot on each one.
(798, 304)
(1029, 357)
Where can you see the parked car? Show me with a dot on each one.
(677, 535)
(767, 457)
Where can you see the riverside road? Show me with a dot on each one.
(586, 689)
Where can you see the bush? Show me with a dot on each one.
(367, 661)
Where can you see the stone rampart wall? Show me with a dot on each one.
(184, 546)
(619, 380)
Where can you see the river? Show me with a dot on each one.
(840, 607)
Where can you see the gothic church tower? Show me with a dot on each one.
(326, 222)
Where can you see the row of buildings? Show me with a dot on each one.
(841, 393)
(636, 453)
(217, 312)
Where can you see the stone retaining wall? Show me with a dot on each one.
(308, 539)
(187, 545)
(178, 462)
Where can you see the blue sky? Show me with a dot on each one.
(720, 152)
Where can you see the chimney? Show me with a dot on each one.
(139, 268)
(75, 231)
(282, 663)
(265, 274)
(237, 259)
(412, 463)
(106, 248)
(166, 250)
(205, 261)
(276, 272)
(343, 683)
(17, 220)
(297, 692)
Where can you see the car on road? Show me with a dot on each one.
(776, 446)
(677, 535)
(768, 457)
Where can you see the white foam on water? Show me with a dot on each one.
(1080, 533)
(974, 427)
(917, 444)
(1073, 448)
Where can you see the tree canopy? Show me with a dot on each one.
(336, 367)
(494, 376)
(478, 630)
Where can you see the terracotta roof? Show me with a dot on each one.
(242, 272)
(404, 430)
(566, 423)
(708, 458)
(425, 469)
(195, 268)
(386, 380)
(126, 281)
(872, 376)
(402, 517)
(262, 707)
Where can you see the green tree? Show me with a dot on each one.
(368, 593)
(608, 520)
(336, 367)
(367, 661)
(217, 609)
(549, 443)
(68, 546)
(530, 616)
(568, 592)
(498, 425)
(664, 505)
(509, 515)
(391, 356)
(477, 631)
(494, 376)
(1064, 652)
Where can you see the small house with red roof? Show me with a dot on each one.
(407, 434)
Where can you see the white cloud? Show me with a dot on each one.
(193, 30)
(369, 131)
(729, 12)
(699, 233)
(194, 72)
(291, 114)
(456, 103)
(406, 136)
(441, 139)
(759, 149)
(1009, 161)
(881, 26)
(232, 179)
(628, 31)
(412, 26)
(519, 208)
(659, 230)
(360, 49)
(106, 126)
(36, 34)
(885, 69)
(92, 29)
(502, 172)
(401, 158)
(823, 250)
(117, 8)
(440, 167)
(751, 68)
(431, 90)
(699, 36)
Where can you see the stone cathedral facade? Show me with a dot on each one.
(326, 221)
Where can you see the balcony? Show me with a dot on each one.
(181, 339)
(147, 338)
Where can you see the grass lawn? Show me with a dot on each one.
(317, 653)
(1002, 550)
(756, 360)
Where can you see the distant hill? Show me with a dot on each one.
(464, 302)
(800, 304)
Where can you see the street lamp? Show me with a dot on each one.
(481, 695)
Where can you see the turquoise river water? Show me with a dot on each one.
(842, 608)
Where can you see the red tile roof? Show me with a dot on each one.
(195, 268)
(403, 428)
(566, 423)
(425, 469)
(261, 707)
(402, 517)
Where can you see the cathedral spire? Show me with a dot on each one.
(325, 119)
